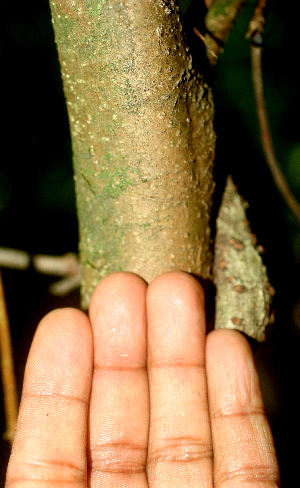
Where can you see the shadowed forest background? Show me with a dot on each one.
(37, 199)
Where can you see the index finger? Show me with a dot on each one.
(50, 442)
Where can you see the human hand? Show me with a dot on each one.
(137, 396)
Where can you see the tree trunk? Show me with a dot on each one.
(142, 134)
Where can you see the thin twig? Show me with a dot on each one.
(7, 371)
(203, 39)
(66, 266)
(13, 258)
(255, 33)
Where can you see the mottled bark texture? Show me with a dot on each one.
(244, 294)
(142, 133)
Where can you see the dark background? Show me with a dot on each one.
(37, 201)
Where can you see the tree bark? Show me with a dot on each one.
(143, 142)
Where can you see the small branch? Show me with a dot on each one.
(12, 258)
(255, 34)
(65, 286)
(66, 266)
(219, 20)
(203, 39)
(256, 26)
(7, 371)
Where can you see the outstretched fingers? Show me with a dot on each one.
(88, 396)
(244, 453)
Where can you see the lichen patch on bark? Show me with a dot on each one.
(244, 294)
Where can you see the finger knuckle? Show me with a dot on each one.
(181, 450)
(120, 457)
(47, 470)
(249, 475)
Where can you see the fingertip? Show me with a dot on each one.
(119, 278)
(61, 317)
(175, 286)
(116, 290)
(59, 322)
(118, 318)
(230, 363)
(227, 342)
(228, 349)
(63, 338)
(175, 315)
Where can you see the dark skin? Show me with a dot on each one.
(138, 396)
